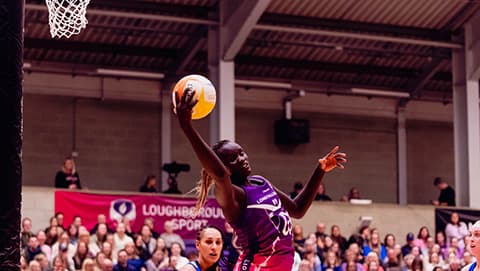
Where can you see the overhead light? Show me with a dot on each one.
(378, 92)
(266, 84)
(27, 65)
(133, 74)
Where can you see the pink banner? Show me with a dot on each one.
(138, 207)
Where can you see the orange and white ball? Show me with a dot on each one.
(204, 92)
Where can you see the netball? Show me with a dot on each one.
(205, 94)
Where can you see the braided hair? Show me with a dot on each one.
(206, 181)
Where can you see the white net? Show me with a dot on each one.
(67, 17)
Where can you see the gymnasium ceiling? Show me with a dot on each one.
(317, 45)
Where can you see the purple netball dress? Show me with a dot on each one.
(264, 230)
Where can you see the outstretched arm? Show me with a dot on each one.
(298, 207)
(224, 190)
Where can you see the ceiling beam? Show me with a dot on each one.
(325, 66)
(136, 15)
(360, 36)
(70, 45)
(237, 26)
(270, 27)
(154, 7)
(348, 47)
(353, 26)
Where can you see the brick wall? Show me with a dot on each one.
(118, 144)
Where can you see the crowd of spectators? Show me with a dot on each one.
(74, 247)
(366, 250)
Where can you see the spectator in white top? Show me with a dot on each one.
(120, 238)
(63, 246)
(176, 251)
(456, 229)
(169, 236)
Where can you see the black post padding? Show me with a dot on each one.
(11, 62)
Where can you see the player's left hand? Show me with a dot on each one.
(333, 160)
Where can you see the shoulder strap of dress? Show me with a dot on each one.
(195, 265)
(472, 267)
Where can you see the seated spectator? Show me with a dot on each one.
(88, 265)
(148, 243)
(417, 264)
(332, 262)
(32, 249)
(422, 237)
(122, 262)
(120, 238)
(467, 259)
(392, 261)
(456, 229)
(321, 194)
(81, 254)
(416, 252)
(150, 184)
(375, 246)
(433, 260)
(26, 231)
(59, 264)
(107, 265)
(297, 187)
(350, 262)
(372, 257)
(46, 249)
(442, 242)
(133, 257)
(59, 216)
(97, 239)
(172, 262)
(389, 241)
(169, 236)
(407, 248)
(310, 254)
(77, 221)
(65, 257)
(354, 193)
(172, 186)
(128, 227)
(43, 261)
(455, 248)
(51, 232)
(298, 239)
(100, 260)
(161, 244)
(158, 262)
(357, 251)
(337, 237)
(149, 221)
(108, 251)
(68, 177)
(176, 251)
(63, 246)
(102, 219)
(427, 250)
(321, 230)
(23, 263)
(73, 234)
